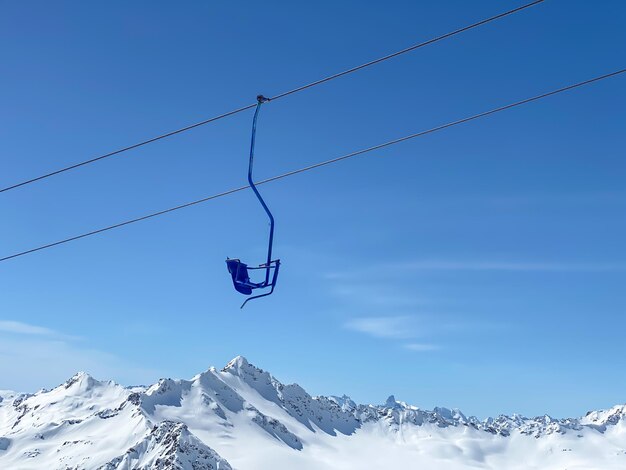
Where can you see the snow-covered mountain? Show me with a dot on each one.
(242, 418)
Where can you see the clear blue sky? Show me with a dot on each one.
(482, 267)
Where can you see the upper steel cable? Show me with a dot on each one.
(324, 163)
(280, 95)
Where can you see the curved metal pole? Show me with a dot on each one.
(260, 100)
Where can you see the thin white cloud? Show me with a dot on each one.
(384, 327)
(9, 326)
(376, 296)
(34, 357)
(20, 328)
(393, 328)
(445, 265)
(421, 347)
(394, 269)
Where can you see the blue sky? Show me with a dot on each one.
(482, 267)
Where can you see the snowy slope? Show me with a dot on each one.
(241, 417)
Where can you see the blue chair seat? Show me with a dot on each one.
(241, 278)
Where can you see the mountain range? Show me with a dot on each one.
(242, 418)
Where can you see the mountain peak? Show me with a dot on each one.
(237, 363)
(240, 367)
(81, 381)
(391, 402)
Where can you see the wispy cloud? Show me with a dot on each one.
(393, 269)
(24, 328)
(397, 328)
(33, 356)
(376, 295)
(384, 327)
(477, 265)
(21, 328)
(421, 347)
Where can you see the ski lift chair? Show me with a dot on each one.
(238, 270)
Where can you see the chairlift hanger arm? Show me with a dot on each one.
(260, 100)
